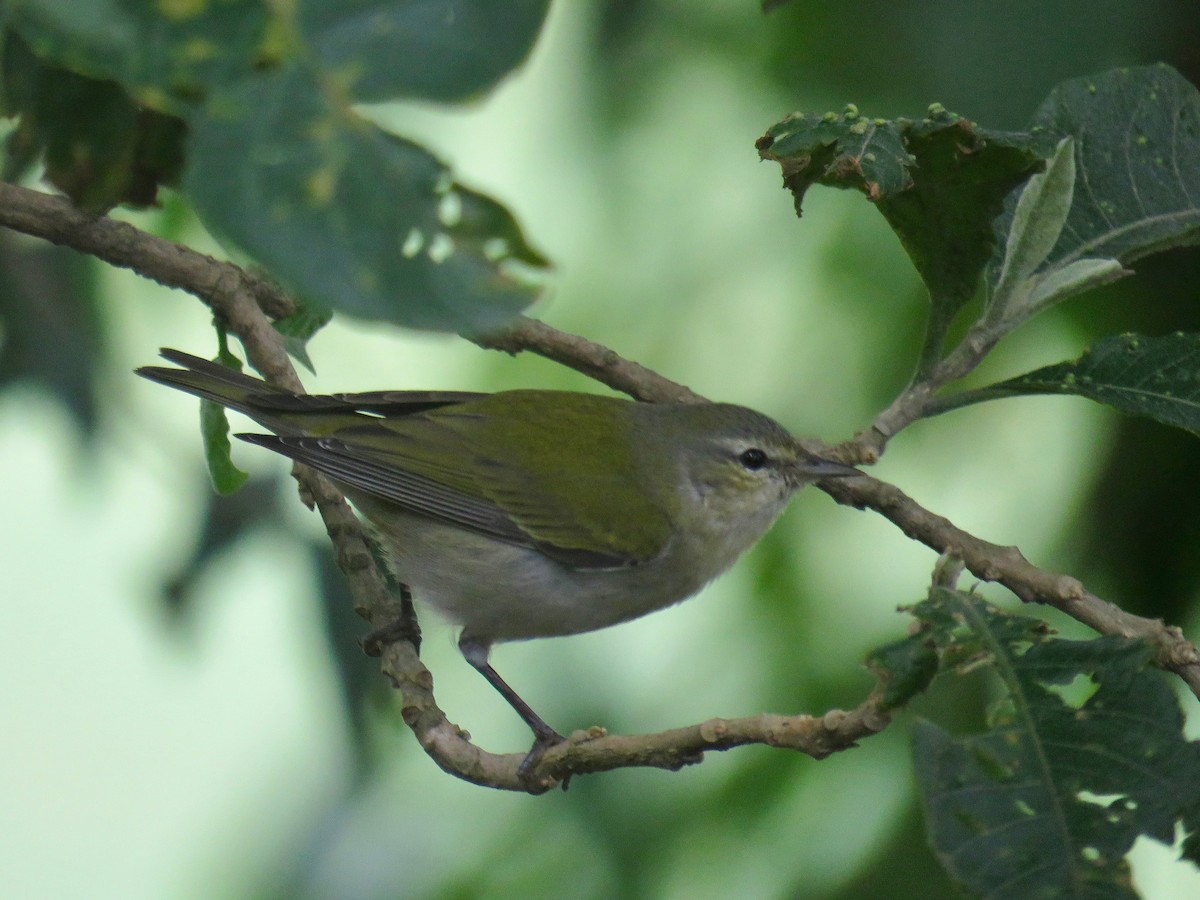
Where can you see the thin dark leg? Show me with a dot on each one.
(545, 737)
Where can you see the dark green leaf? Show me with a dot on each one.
(99, 147)
(225, 522)
(1050, 799)
(357, 674)
(447, 50)
(357, 220)
(172, 56)
(905, 668)
(168, 55)
(1137, 161)
(939, 182)
(1157, 377)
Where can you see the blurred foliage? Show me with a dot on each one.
(259, 99)
(1134, 538)
(99, 147)
(51, 328)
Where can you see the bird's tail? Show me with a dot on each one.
(284, 412)
(209, 380)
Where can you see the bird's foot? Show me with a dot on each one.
(543, 741)
(404, 628)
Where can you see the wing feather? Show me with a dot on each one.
(383, 479)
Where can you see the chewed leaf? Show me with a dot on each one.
(1084, 753)
(939, 182)
(440, 51)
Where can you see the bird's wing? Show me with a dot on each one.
(384, 477)
(564, 472)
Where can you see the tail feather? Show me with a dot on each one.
(207, 379)
(286, 413)
(214, 369)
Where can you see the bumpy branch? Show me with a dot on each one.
(246, 302)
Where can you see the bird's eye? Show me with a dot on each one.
(753, 459)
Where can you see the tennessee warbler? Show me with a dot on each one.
(529, 513)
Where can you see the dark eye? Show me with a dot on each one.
(753, 459)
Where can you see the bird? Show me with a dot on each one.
(527, 514)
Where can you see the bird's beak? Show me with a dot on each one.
(815, 468)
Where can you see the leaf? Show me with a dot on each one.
(350, 217)
(357, 674)
(99, 147)
(450, 50)
(939, 182)
(1074, 278)
(1085, 752)
(169, 55)
(905, 667)
(1038, 220)
(299, 328)
(353, 218)
(214, 429)
(174, 56)
(224, 523)
(1156, 377)
(1137, 161)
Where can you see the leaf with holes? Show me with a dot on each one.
(169, 56)
(1084, 753)
(355, 219)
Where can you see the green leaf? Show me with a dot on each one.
(98, 146)
(1062, 282)
(353, 218)
(299, 328)
(53, 330)
(174, 55)
(1137, 161)
(1156, 377)
(214, 429)
(388, 49)
(939, 182)
(169, 55)
(1085, 752)
(1038, 219)
(904, 667)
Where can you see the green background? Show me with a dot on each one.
(182, 731)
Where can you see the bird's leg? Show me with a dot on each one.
(544, 737)
(404, 628)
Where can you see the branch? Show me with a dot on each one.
(916, 400)
(170, 264)
(59, 221)
(594, 360)
(1007, 566)
(244, 301)
(594, 750)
